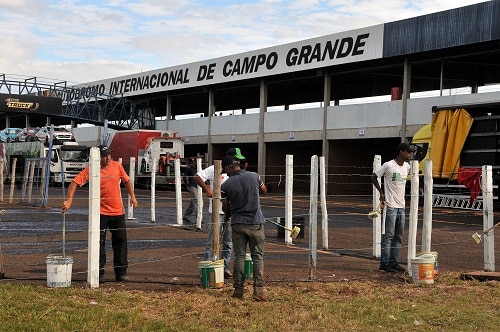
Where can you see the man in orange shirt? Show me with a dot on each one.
(112, 211)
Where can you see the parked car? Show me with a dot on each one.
(61, 134)
(27, 134)
(9, 134)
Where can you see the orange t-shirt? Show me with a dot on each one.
(111, 195)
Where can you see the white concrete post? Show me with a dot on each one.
(377, 226)
(412, 228)
(31, 170)
(94, 217)
(324, 212)
(131, 174)
(178, 189)
(12, 179)
(1, 178)
(427, 217)
(489, 239)
(313, 213)
(199, 197)
(288, 196)
(153, 191)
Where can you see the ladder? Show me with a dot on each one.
(457, 202)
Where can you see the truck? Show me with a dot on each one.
(459, 144)
(148, 146)
(68, 159)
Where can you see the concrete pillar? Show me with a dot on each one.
(168, 111)
(211, 110)
(261, 152)
(405, 97)
(326, 102)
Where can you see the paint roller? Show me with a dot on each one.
(479, 237)
(375, 213)
(293, 232)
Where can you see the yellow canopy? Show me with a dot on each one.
(449, 132)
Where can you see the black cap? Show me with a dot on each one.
(404, 147)
(104, 150)
(235, 153)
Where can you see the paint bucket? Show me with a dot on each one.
(248, 266)
(422, 269)
(59, 270)
(212, 273)
(433, 254)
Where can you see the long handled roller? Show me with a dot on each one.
(479, 237)
(375, 213)
(293, 232)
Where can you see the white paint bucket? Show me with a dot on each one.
(212, 273)
(434, 254)
(59, 269)
(422, 269)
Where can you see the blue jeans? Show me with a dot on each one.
(227, 244)
(392, 235)
(193, 203)
(253, 236)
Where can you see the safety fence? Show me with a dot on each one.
(160, 244)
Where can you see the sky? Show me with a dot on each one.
(84, 41)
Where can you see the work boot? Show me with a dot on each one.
(238, 293)
(259, 294)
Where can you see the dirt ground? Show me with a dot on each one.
(164, 255)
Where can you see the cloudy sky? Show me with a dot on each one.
(88, 40)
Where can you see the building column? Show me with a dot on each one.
(261, 150)
(211, 111)
(405, 97)
(327, 85)
(168, 111)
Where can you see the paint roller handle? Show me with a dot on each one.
(489, 229)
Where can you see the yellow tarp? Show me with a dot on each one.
(449, 132)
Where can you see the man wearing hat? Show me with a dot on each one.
(242, 205)
(112, 213)
(394, 174)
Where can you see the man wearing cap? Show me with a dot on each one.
(201, 179)
(242, 205)
(394, 173)
(112, 213)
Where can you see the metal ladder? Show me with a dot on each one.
(457, 202)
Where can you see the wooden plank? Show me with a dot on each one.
(481, 275)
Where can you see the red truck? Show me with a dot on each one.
(148, 145)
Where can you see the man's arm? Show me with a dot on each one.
(66, 205)
(375, 182)
(130, 190)
(206, 188)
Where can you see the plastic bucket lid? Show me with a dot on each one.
(59, 259)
